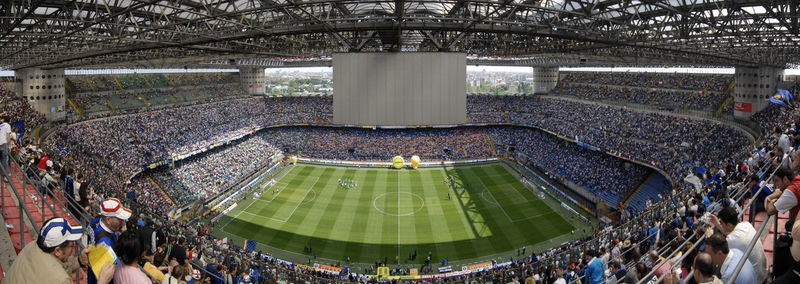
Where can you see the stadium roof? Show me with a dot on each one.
(192, 33)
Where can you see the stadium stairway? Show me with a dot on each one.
(33, 203)
(162, 190)
(12, 218)
(649, 189)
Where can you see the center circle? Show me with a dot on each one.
(398, 203)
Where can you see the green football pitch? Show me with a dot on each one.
(392, 213)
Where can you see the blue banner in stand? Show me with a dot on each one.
(250, 245)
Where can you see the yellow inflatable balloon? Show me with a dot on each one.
(294, 159)
(397, 162)
(415, 161)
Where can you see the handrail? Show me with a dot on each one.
(203, 269)
(22, 208)
(681, 258)
(689, 276)
(753, 198)
(666, 259)
(640, 241)
(40, 193)
(81, 217)
(750, 247)
(694, 247)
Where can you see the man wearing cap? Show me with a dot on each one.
(51, 258)
(108, 226)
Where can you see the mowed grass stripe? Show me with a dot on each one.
(374, 227)
(389, 222)
(287, 234)
(505, 196)
(429, 219)
(346, 215)
(358, 223)
(454, 218)
(494, 218)
(547, 221)
(410, 185)
(329, 214)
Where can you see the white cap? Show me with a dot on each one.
(58, 230)
(113, 208)
(196, 274)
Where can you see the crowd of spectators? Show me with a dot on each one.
(608, 177)
(672, 99)
(675, 144)
(675, 91)
(710, 82)
(204, 175)
(159, 91)
(382, 145)
(19, 110)
(122, 145)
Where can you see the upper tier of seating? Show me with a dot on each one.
(675, 91)
(93, 96)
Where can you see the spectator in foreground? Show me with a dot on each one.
(594, 269)
(50, 259)
(793, 273)
(703, 271)
(129, 250)
(728, 258)
(739, 234)
(107, 227)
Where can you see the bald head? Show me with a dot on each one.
(703, 266)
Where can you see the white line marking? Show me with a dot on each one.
(301, 201)
(534, 216)
(483, 195)
(495, 198)
(282, 175)
(262, 216)
(312, 199)
(375, 204)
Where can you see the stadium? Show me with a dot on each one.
(554, 141)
